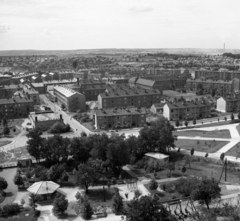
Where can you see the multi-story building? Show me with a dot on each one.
(119, 118)
(21, 78)
(187, 110)
(40, 87)
(72, 100)
(229, 103)
(7, 91)
(16, 107)
(5, 79)
(32, 94)
(222, 86)
(124, 96)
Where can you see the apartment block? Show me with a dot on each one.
(7, 91)
(119, 118)
(16, 107)
(124, 96)
(222, 74)
(72, 100)
(187, 110)
(222, 86)
(228, 104)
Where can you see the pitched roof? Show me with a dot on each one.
(146, 82)
(119, 111)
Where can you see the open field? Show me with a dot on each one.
(3, 143)
(200, 133)
(200, 145)
(235, 151)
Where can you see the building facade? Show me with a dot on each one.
(124, 96)
(187, 110)
(16, 107)
(228, 104)
(72, 100)
(7, 91)
(119, 118)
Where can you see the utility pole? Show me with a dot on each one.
(225, 170)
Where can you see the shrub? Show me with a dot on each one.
(86, 210)
(153, 185)
(117, 204)
(59, 127)
(60, 204)
(10, 209)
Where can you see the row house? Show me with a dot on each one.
(126, 96)
(187, 110)
(119, 118)
(229, 103)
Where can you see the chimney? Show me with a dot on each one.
(36, 119)
(60, 116)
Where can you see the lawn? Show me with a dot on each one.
(200, 166)
(234, 151)
(200, 145)
(3, 143)
(15, 123)
(200, 133)
(20, 152)
(4, 157)
(164, 196)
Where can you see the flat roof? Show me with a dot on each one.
(45, 116)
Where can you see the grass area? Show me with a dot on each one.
(3, 143)
(14, 123)
(26, 214)
(234, 151)
(4, 157)
(200, 133)
(96, 197)
(200, 166)
(200, 145)
(20, 152)
(164, 195)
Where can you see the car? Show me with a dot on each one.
(28, 123)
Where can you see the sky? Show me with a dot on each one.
(92, 24)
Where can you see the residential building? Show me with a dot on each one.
(157, 108)
(182, 110)
(119, 118)
(72, 100)
(221, 86)
(5, 79)
(40, 87)
(44, 121)
(32, 94)
(124, 96)
(7, 91)
(229, 103)
(16, 107)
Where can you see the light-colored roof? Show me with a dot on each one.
(43, 187)
(45, 116)
(65, 91)
(158, 156)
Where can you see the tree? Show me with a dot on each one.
(192, 151)
(147, 208)
(32, 201)
(186, 123)
(158, 136)
(153, 185)
(239, 115)
(5, 122)
(225, 118)
(232, 117)
(60, 204)
(194, 121)
(64, 177)
(118, 153)
(6, 130)
(184, 169)
(86, 210)
(87, 175)
(207, 191)
(177, 123)
(75, 64)
(3, 184)
(222, 156)
(18, 180)
(55, 172)
(171, 167)
(35, 144)
(117, 204)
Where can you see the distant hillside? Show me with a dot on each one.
(116, 51)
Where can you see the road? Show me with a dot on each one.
(67, 117)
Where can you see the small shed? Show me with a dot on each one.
(157, 156)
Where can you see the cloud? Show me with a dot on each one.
(141, 9)
(4, 28)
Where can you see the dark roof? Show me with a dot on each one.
(187, 104)
(11, 86)
(145, 82)
(119, 111)
(15, 100)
